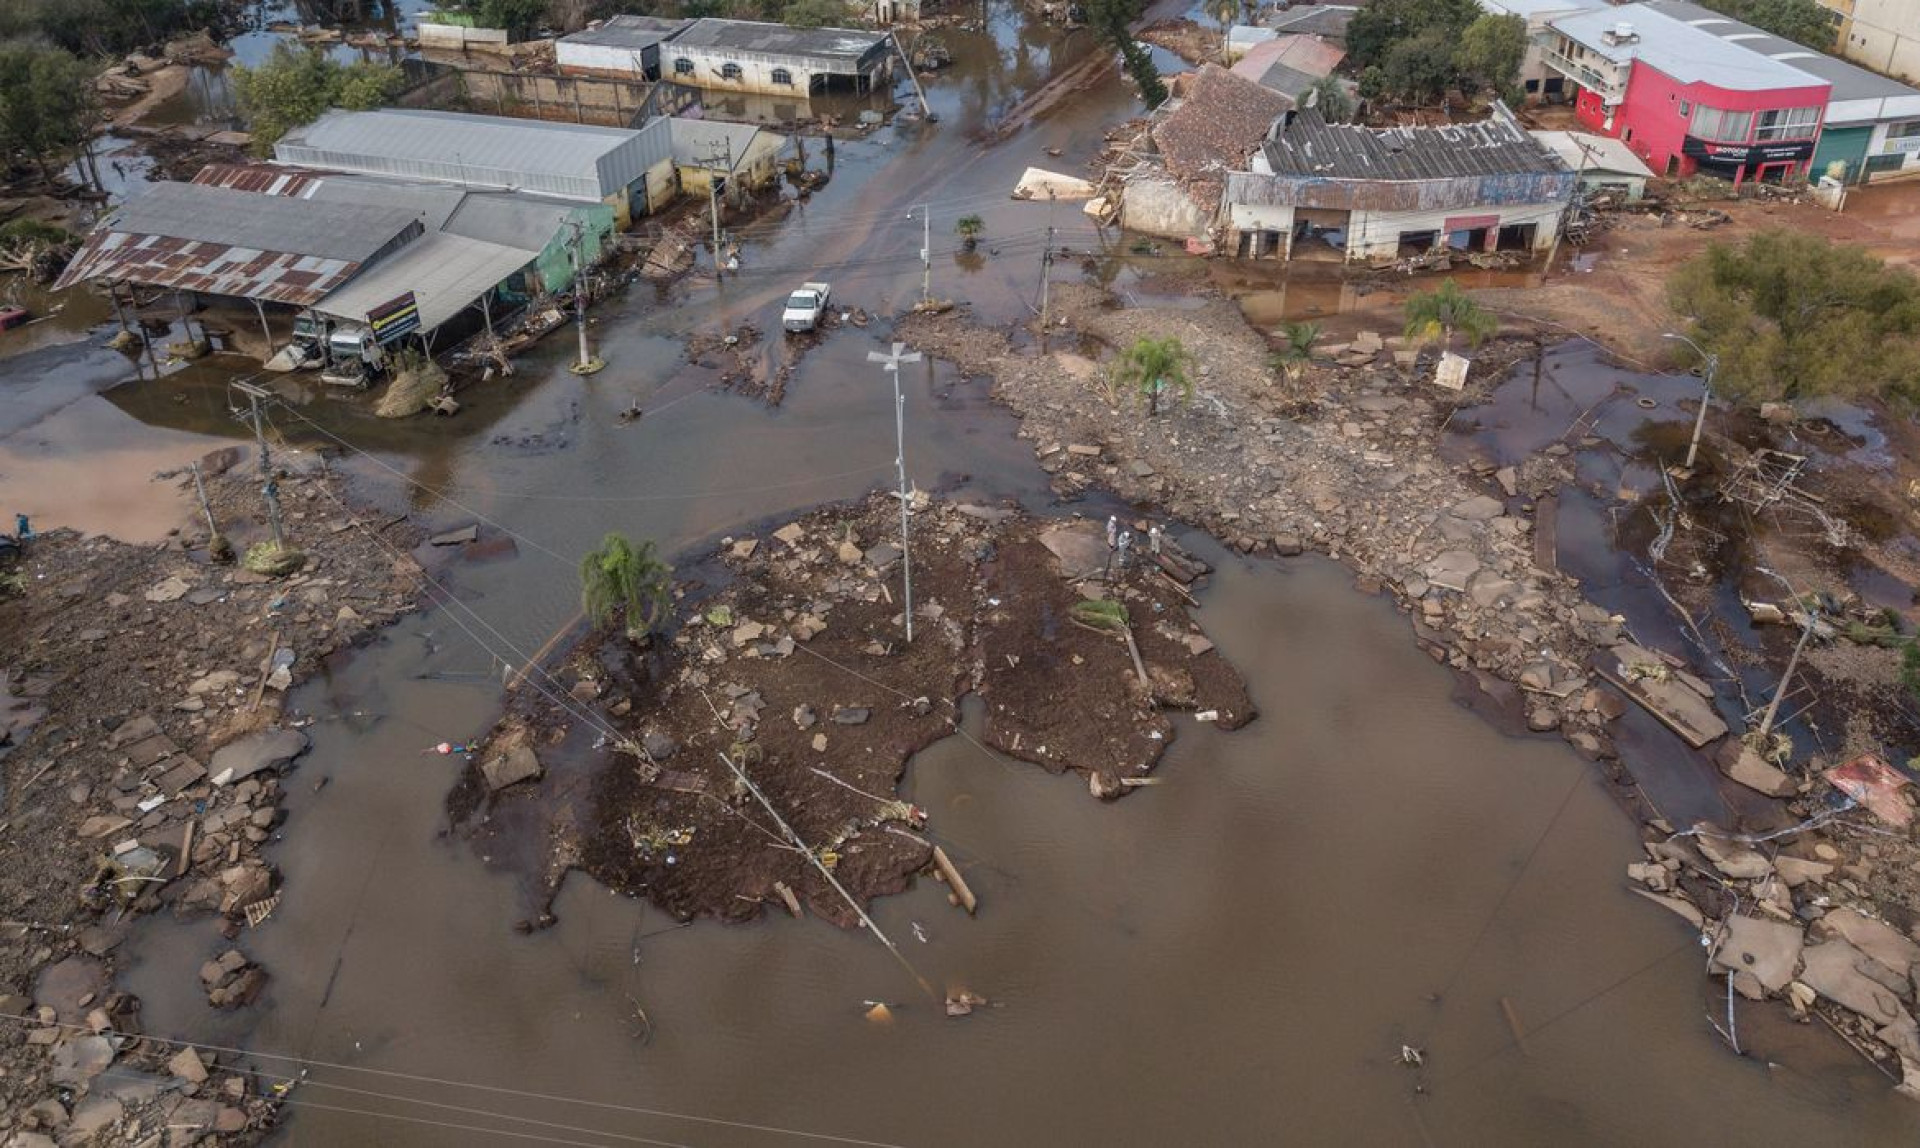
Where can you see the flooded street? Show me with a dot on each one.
(1235, 956)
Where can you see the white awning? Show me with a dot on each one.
(446, 273)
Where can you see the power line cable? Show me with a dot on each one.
(502, 1090)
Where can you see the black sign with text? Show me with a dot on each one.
(1731, 155)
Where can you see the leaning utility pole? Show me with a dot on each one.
(891, 364)
(1046, 269)
(268, 487)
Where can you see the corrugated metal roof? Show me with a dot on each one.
(780, 40)
(262, 178)
(575, 160)
(634, 32)
(1315, 19)
(1594, 153)
(1850, 81)
(1672, 45)
(510, 219)
(219, 241)
(706, 143)
(446, 273)
(267, 222)
(1307, 145)
(431, 203)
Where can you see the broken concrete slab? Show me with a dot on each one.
(187, 1065)
(1079, 547)
(1848, 977)
(511, 768)
(1733, 858)
(882, 556)
(1479, 508)
(1751, 770)
(1685, 909)
(167, 590)
(791, 534)
(460, 537)
(1767, 950)
(1877, 939)
(851, 715)
(1797, 871)
(1452, 569)
(256, 753)
(1647, 679)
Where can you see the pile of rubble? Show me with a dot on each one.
(799, 674)
(151, 774)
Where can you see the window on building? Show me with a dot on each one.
(782, 76)
(683, 67)
(1714, 124)
(1686, 107)
(1787, 124)
(730, 71)
(1903, 131)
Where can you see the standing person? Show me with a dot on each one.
(1113, 531)
(1153, 539)
(1126, 544)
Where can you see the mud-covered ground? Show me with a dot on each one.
(1806, 895)
(143, 753)
(799, 672)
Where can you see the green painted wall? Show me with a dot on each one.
(555, 266)
(1847, 145)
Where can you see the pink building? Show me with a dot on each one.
(1686, 100)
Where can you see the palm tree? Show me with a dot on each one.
(1434, 316)
(621, 576)
(1154, 365)
(1225, 11)
(969, 227)
(1294, 357)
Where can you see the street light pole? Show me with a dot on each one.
(926, 253)
(1711, 363)
(891, 364)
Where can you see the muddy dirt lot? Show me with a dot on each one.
(145, 741)
(798, 671)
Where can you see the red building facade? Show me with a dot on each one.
(1681, 128)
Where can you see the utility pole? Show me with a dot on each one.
(587, 364)
(891, 364)
(1710, 364)
(1046, 269)
(268, 487)
(926, 253)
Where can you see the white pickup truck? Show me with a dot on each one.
(804, 307)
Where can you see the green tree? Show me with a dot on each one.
(1223, 12)
(105, 27)
(45, 100)
(1790, 315)
(622, 578)
(1153, 367)
(520, 18)
(1381, 24)
(1296, 351)
(1113, 19)
(969, 227)
(1329, 97)
(1437, 316)
(1490, 52)
(1420, 68)
(1801, 21)
(296, 84)
(814, 14)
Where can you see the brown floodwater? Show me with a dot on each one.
(1237, 955)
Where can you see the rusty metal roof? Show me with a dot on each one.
(219, 241)
(264, 178)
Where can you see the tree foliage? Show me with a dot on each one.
(105, 27)
(625, 578)
(1415, 50)
(1153, 367)
(297, 84)
(45, 99)
(1490, 53)
(1437, 316)
(1801, 21)
(815, 14)
(1296, 351)
(1113, 20)
(1329, 96)
(1790, 315)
